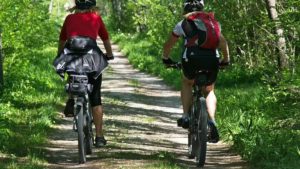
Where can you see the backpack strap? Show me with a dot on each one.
(190, 31)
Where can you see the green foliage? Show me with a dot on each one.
(263, 130)
(25, 24)
(28, 103)
(31, 93)
(156, 29)
(142, 16)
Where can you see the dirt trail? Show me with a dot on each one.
(140, 126)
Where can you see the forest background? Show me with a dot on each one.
(258, 108)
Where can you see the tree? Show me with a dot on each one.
(278, 31)
(1, 60)
(50, 6)
(117, 8)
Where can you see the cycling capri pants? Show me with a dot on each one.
(202, 59)
(95, 95)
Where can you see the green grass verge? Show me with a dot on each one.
(31, 94)
(262, 123)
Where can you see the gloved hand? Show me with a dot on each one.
(223, 64)
(109, 58)
(168, 62)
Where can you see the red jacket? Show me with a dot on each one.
(87, 24)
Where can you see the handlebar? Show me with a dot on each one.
(109, 58)
(178, 65)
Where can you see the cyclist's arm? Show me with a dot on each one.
(62, 37)
(103, 34)
(61, 44)
(169, 45)
(224, 49)
(107, 46)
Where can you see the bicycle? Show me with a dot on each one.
(198, 117)
(78, 89)
(197, 136)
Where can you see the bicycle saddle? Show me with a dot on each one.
(201, 78)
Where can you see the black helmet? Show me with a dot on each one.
(85, 4)
(193, 5)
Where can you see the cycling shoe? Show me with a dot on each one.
(213, 134)
(183, 122)
(69, 109)
(100, 141)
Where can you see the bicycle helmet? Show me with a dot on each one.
(85, 4)
(193, 5)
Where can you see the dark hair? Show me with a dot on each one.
(85, 4)
(193, 5)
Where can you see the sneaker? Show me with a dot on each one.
(100, 141)
(183, 122)
(213, 134)
(69, 109)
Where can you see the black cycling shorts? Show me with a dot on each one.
(95, 95)
(201, 59)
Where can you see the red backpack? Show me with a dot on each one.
(202, 29)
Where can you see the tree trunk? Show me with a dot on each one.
(117, 8)
(1, 60)
(51, 6)
(281, 45)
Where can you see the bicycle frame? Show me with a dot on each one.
(78, 89)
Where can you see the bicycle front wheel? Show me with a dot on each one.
(202, 132)
(81, 134)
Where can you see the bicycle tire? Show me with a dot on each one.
(191, 152)
(88, 132)
(191, 135)
(81, 135)
(202, 132)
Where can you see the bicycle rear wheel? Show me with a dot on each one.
(81, 134)
(202, 132)
(192, 136)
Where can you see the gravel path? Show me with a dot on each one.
(140, 126)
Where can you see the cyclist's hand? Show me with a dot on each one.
(168, 62)
(109, 58)
(223, 64)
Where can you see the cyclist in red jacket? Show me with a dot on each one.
(85, 21)
(201, 59)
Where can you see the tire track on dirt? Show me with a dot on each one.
(140, 114)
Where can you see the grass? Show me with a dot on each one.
(28, 106)
(260, 120)
(28, 163)
(134, 83)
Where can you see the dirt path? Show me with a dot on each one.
(140, 126)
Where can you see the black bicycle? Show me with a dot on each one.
(78, 89)
(199, 129)
(197, 135)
